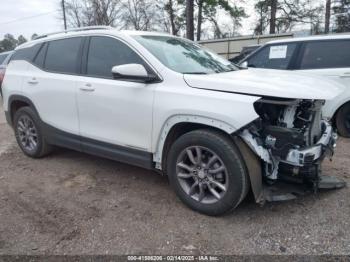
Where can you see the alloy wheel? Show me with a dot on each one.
(27, 133)
(202, 174)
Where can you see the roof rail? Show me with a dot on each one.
(85, 28)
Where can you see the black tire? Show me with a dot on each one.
(237, 185)
(42, 148)
(343, 120)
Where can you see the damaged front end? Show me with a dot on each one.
(291, 139)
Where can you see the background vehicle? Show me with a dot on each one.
(4, 59)
(244, 53)
(159, 101)
(322, 55)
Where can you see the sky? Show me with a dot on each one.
(29, 16)
(25, 17)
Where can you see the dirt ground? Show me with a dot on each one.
(73, 203)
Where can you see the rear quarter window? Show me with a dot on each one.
(27, 53)
(326, 54)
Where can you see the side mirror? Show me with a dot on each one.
(133, 72)
(244, 64)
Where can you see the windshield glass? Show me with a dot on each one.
(184, 56)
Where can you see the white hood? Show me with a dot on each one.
(268, 82)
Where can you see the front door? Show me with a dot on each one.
(113, 112)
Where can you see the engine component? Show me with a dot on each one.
(289, 136)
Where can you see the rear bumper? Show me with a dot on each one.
(324, 147)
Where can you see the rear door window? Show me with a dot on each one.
(273, 56)
(106, 52)
(326, 54)
(62, 55)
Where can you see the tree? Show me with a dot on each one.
(285, 14)
(341, 9)
(273, 6)
(34, 36)
(174, 11)
(8, 43)
(262, 9)
(208, 9)
(139, 14)
(21, 39)
(189, 19)
(92, 12)
(327, 16)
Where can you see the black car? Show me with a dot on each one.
(244, 53)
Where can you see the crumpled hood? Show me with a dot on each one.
(268, 82)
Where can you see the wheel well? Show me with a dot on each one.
(334, 118)
(178, 130)
(15, 105)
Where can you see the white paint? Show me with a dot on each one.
(268, 82)
(139, 115)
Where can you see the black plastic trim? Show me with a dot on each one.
(8, 118)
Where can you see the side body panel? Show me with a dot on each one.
(13, 80)
(176, 102)
(116, 112)
(54, 96)
(340, 75)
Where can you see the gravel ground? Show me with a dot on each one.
(73, 203)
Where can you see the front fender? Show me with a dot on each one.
(176, 119)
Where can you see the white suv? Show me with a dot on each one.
(315, 55)
(165, 103)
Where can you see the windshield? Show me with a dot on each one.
(184, 56)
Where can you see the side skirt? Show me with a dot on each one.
(122, 154)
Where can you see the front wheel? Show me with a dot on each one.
(207, 172)
(343, 120)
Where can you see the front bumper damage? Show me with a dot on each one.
(323, 148)
(298, 174)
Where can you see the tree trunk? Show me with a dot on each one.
(328, 16)
(199, 21)
(189, 19)
(273, 16)
(261, 29)
(172, 18)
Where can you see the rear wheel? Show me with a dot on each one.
(343, 120)
(207, 172)
(28, 133)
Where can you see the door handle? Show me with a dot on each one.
(33, 81)
(87, 88)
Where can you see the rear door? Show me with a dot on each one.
(50, 83)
